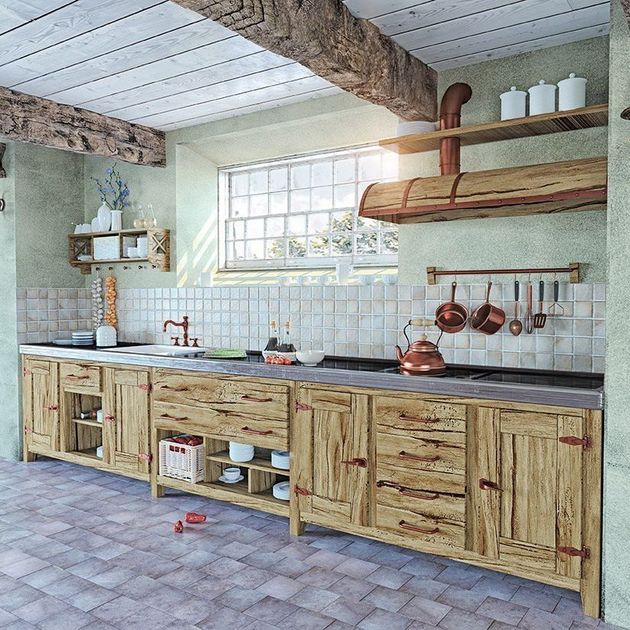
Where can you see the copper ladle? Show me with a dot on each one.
(516, 326)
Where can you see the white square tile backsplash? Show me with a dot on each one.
(361, 321)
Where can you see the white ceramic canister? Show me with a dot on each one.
(116, 220)
(513, 103)
(241, 452)
(571, 93)
(542, 98)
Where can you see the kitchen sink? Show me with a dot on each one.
(160, 351)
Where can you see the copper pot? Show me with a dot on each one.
(487, 318)
(422, 356)
(451, 317)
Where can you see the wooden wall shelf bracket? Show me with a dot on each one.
(573, 270)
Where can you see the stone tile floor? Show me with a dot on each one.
(85, 549)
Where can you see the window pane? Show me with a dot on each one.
(255, 228)
(344, 196)
(321, 173)
(239, 207)
(255, 250)
(321, 198)
(275, 248)
(318, 246)
(344, 171)
(278, 178)
(318, 223)
(300, 200)
(258, 182)
(297, 247)
(278, 203)
(389, 242)
(301, 176)
(275, 227)
(240, 184)
(367, 224)
(367, 243)
(341, 244)
(236, 229)
(297, 224)
(257, 205)
(341, 221)
(369, 168)
(239, 250)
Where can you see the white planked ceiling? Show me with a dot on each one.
(452, 33)
(154, 63)
(146, 61)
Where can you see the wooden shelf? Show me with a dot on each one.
(89, 453)
(542, 124)
(258, 463)
(236, 493)
(88, 423)
(158, 246)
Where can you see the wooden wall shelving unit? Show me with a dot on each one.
(159, 249)
(582, 118)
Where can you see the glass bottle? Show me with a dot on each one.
(286, 345)
(272, 344)
(149, 219)
(139, 221)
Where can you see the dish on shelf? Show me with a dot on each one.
(280, 459)
(281, 491)
(222, 479)
(63, 342)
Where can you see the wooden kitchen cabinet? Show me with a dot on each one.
(40, 391)
(332, 470)
(533, 497)
(126, 420)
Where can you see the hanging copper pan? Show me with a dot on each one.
(451, 317)
(487, 318)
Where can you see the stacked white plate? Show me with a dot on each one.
(83, 338)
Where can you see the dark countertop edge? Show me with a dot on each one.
(532, 394)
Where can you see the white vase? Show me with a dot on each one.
(104, 215)
(116, 220)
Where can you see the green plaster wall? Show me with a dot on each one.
(9, 374)
(617, 420)
(49, 200)
(518, 241)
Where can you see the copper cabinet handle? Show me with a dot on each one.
(52, 407)
(255, 431)
(168, 417)
(423, 419)
(109, 418)
(181, 388)
(78, 378)
(418, 458)
(357, 461)
(408, 492)
(249, 398)
(485, 484)
(415, 528)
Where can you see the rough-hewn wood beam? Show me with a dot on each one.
(625, 5)
(3, 148)
(38, 120)
(326, 38)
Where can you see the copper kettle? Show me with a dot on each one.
(422, 357)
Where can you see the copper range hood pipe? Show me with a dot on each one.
(450, 116)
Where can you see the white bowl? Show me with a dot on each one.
(310, 358)
(280, 459)
(282, 491)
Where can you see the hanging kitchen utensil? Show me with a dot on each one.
(451, 317)
(529, 317)
(422, 357)
(515, 325)
(540, 319)
(487, 318)
(556, 309)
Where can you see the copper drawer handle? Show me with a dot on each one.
(109, 418)
(421, 530)
(485, 484)
(254, 399)
(418, 458)
(357, 461)
(255, 432)
(168, 417)
(78, 378)
(408, 492)
(424, 419)
(52, 407)
(181, 388)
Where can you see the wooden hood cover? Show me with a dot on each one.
(571, 186)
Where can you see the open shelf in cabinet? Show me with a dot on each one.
(88, 423)
(158, 245)
(258, 463)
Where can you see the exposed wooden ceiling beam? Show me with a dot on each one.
(326, 38)
(38, 120)
(625, 5)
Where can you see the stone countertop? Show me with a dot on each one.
(582, 398)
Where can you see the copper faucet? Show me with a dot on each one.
(183, 324)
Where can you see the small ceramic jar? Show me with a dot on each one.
(542, 98)
(571, 93)
(513, 103)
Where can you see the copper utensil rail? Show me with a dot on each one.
(573, 270)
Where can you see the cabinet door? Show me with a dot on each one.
(526, 489)
(41, 404)
(333, 471)
(126, 419)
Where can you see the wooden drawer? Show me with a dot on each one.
(411, 415)
(222, 394)
(429, 480)
(435, 532)
(439, 451)
(264, 432)
(428, 504)
(80, 375)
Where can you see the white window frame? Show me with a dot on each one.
(312, 262)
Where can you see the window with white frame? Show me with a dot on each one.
(302, 211)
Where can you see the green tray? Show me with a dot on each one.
(225, 353)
